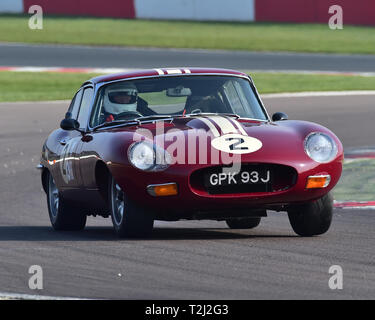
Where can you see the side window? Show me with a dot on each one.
(96, 117)
(74, 106)
(84, 110)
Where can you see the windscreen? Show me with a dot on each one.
(175, 96)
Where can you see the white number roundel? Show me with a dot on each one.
(236, 143)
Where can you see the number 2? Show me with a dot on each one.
(235, 144)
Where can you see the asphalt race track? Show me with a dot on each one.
(184, 260)
(115, 57)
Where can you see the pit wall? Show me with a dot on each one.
(359, 12)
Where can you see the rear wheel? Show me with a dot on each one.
(243, 223)
(129, 220)
(63, 215)
(312, 218)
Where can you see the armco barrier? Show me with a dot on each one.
(361, 12)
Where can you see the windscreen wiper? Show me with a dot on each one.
(212, 114)
(154, 117)
(116, 122)
(132, 121)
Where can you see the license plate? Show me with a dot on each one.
(248, 180)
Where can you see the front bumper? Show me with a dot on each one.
(191, 200)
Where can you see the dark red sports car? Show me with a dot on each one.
(171, 144)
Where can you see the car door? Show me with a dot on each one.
(83, 119)
(62, 152)
(89, 150)
(68, 143)
(71, 141)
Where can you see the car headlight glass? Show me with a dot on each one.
(320, 147)
(148, 157)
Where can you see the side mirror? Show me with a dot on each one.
(69, 124)
(278, 116)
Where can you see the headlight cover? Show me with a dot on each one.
(148, 157)
(320, 147)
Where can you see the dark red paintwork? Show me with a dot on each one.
(96, 152)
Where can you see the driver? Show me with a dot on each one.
(120, 99)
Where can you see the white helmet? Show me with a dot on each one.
(120, 98)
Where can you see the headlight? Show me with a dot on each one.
(148, 157)
(320, 147)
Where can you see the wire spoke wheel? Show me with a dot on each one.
(129, 219)
(53, 197)
(118, 203)
(63, 215)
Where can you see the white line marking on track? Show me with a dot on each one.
(36, 102)
(68, 70)
(319, 94)
(20, 296)
(315, 72)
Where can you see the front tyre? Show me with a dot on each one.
(243, 223)
(63, 215)
(129, 220)
(312, 218)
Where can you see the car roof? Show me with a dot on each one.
(160, 72)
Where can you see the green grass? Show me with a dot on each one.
(357, 181)
(278, 82)
(34, 86)
(185, 34)
(30, 86)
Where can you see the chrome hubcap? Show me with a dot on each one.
(53, 197)
(118, 203)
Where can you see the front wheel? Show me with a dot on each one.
(62, 214)
(312, 218)
(129, 220)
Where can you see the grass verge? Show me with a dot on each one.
(279, 82)
(38, 86)
(357, 181)
(188, 34)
